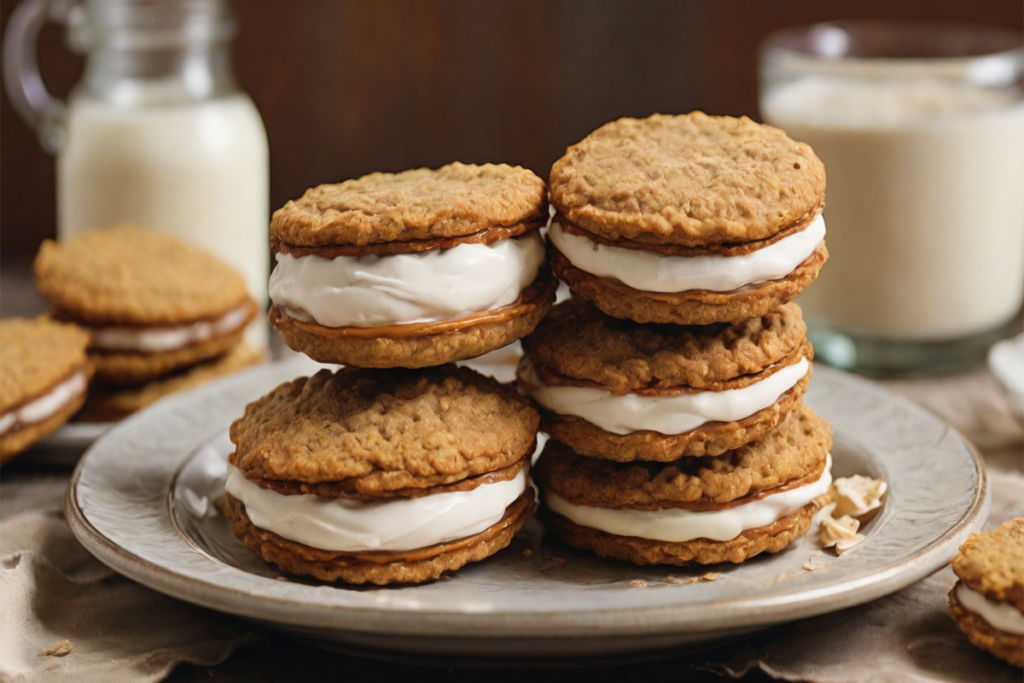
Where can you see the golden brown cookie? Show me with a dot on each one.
(656, 198)
(988, 601)
(151, 303)
(792, 455)
(643, 551)
(691, 307)
(419, 345)
(690, 180)
(349, 449)
(381, 568)
(456, 200)
(44, 375)
(671, 513)
(355, 262)
(579, 349)
(106, 404)
(372, 433)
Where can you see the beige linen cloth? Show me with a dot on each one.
(52, 591)
(66, 616)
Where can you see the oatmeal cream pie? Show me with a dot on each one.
(381, 476)
(44, 374)
(757, 498)
(689, 219)
(988, 600)
(150, 302)
(411, 269)
(619, 390)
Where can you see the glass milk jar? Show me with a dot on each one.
(921, 129)
(157, 133)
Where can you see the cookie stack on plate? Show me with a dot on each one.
(161, 315)
(402, 465)
(672, 383)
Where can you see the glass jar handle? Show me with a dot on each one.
(25, 89)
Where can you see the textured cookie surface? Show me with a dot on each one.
(131, 276)
(643, 551)
(451, 201)
(578, 342)
(1006, 646)
(690, 180)
(711, 438)
(35, 355)
(795, 453)
(106, 404)
(384, 430)
(691, 307)
(421, 344)
(992, 563)
(379, 568)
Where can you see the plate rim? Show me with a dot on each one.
(754, 611)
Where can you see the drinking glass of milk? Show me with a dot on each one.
(157, 133)
(921, 129)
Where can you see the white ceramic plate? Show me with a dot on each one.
(141, 501)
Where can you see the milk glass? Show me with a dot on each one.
(157, 133)
(921, 129)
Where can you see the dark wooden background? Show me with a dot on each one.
(346, 87)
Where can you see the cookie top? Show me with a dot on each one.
(582, 345)
(689, 180)
(379, 432)
(793, 454)
(36, 355)
(992, 563)
(130, 276)
(422, 204)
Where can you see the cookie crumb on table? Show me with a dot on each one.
(58, 649)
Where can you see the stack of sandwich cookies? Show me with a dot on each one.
(690, 219)
(160, 315)
(44, 375)
(757, 498)
(381, 476)
(412, 269)
(623, 391)
(988, 600)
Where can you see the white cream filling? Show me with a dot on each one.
(395, 524)
(153, 339)
(46, 405)
(677, 526)
(1001, 616)
(663, 414)
(652, 272)
(397, 289)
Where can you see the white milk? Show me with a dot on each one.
(925, 203)
(197, 170)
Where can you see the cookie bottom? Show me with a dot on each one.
(692, 307)
(13, 443)
(1006, 646)
(419, 345)
(712, 438)
(116, 403)
(643, 551)
(381, 568)
(126, 367)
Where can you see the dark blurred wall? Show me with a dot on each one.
(346, 87)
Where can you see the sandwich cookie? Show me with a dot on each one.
(411, 269)
(150, 302)
(988, 600)
(757, 498)
(110, 403)
(385, 476)
(44, 375)
(689, 219)
(618, 390)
